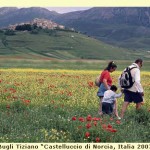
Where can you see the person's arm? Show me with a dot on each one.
(105, 84)
(117, 95)
(138, 82)
(119, 86)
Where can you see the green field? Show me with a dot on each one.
(66, 64)
(47, 90)
(62, 45)
(62, 106)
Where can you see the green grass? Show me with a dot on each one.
(53, 98)
(56, 95)
(63, 45)
(123, 35)
(66, 64)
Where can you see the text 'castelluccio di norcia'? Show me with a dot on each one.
(73, 146)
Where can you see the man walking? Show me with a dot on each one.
(134, 93)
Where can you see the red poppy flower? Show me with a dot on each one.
(118, 122)
(89, 118)
(5, 90)
(81, 119)
(12, 90)
(111, 119)
(69, 93)
(98, 139)
(114, 130)
(91, 84)
(8, 106)
(109, 126)
(104, 126)
(74, 118)
(87, 134)
(88, 126)
(27, 102)
(111, 130)
(96, 119)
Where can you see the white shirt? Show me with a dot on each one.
(110, 96)
(137, 87)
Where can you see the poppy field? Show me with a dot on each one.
(40, 105)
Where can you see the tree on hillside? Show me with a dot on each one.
(24, 27)
(34, 26)
(9, 32)
(1, 31)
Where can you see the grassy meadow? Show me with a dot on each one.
(60, 105)
(81, 64)
(47, 90)
(64, 45)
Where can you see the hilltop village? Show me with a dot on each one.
(41, 23)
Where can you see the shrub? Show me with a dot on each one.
(35, 31)
(9, 32)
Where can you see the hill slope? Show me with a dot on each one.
(61, 45)
(10, 15)
(127, 27)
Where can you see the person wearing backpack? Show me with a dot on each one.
(106, 82)
(129, 80)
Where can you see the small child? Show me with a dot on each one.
(109, 104)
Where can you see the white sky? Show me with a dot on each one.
(63, 9)
(66, 9)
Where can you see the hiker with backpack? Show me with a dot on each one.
(129, 80)
(105, 82)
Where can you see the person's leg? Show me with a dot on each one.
(138, 100)
(138, 106)
(115, 109)
(107, 108)
(100, 94)
(100, 106)
(124, 107)
(128, 98)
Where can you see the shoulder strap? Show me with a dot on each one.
(132, 68)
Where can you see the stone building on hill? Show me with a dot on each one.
(43, 23)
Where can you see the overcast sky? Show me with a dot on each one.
(66, 9)
(63, 9)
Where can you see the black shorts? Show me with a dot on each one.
(130, 97)
(107, 108)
